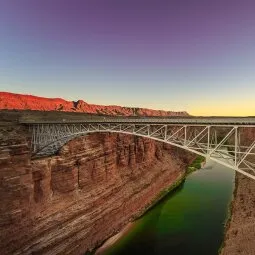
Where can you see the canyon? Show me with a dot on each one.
(71, 202)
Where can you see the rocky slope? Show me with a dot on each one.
(70, 203)
(240, 236)
(24, 102)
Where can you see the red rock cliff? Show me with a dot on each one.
(11, 101)
(69, 203)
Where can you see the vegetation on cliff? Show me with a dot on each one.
(196, 164)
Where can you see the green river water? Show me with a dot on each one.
(188, 221)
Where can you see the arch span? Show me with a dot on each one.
(224, 144)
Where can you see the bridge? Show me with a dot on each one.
(229, 141)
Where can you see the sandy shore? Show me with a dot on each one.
(240, 234)
(112, 240)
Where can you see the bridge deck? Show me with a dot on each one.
(240, 121)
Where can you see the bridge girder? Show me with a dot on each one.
(225, 144)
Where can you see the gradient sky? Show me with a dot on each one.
(194, 55)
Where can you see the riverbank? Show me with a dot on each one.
(197, 163)
(240, 229)
(114, 239)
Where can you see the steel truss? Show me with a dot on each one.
(225, 144)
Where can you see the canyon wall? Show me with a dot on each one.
(240, 232)
(240, 235)
(10, 101)
(70, 203)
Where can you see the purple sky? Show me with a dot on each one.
(189, 55)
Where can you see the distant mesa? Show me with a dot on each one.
(12, 101)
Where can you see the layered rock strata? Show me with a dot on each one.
(70, 203)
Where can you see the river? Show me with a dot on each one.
(188, 221)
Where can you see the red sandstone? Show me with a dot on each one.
(12, 101)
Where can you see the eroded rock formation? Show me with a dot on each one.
(71, 202)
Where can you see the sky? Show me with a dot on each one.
(193, 55)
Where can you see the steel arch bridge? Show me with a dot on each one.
(223, 140)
